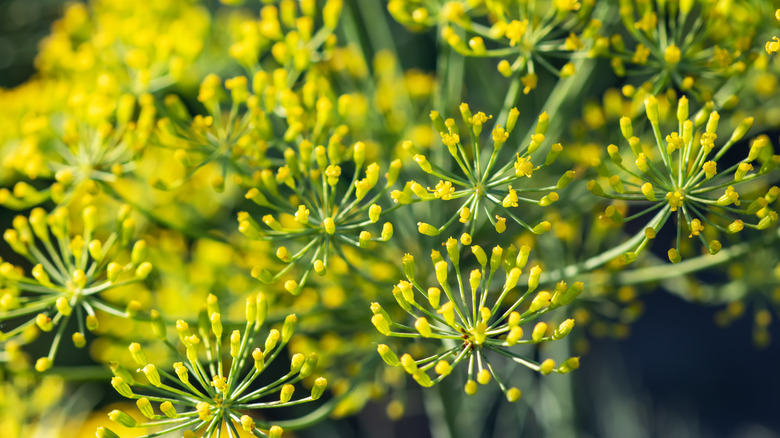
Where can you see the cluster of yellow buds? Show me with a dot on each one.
(26, 400)
(694, 46)
(142, 48)
(482, 187)
(69, 273)
(287, 32)
(265, 115)
(524, 35)
(91, 149)
(679, 175)
(319, 208)
(206, 397)
(234, 139)
(470, 325)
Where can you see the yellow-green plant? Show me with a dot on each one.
(234, 141)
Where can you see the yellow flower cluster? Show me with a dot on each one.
(70, 272)
(214, 394)
(527, 35)
(679, 175)
(696, 45)
(480, 186)
(471, 325)
(139, 49)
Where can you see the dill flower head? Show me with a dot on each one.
(695, 46)
(477, 181)
(318, 207)
(681, 174)
(70, 271)
(143, 46)
(248, 123)
(475, 320)
(525, 37)
(90, 146)
(228, 137)
(289, 32)
(206, 394)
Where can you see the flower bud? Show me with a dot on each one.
(547, 367)
(427, 229)
(91, 322)
(288, 328)
(565, 179)
(137, 352)
(569, 365)
(392, 172)
(614, 154)
(145, 407)
(674, 256)
(448, 312)
(42, 364)
(408, 363)
(682, 109)
(143, 270)
(104, 432)
(470, 387)
(122, 418)
(259, 359)
(539, 331)
(373, 213)
(272, 339)
(540, 301)
(381, 324)
(319, 388)
(152, 375)
(511, 120)
(513, 395)
(651, 108)
(514, 335)
(422, 326)
(285, 395)
(626, 127)
(122, 387)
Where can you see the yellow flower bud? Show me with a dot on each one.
(483, 377)
(44, 322)
(547, 367)
(422, 326)
(471, 387)
(373, 213)
(381, 324)
(43, 364)
(539, 331)
(388, 355)
(515, 333)
(651, 108)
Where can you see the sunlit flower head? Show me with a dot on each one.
(476, 181)
(70, 271)
(477, 322)
(209, 394)
(681, 175)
